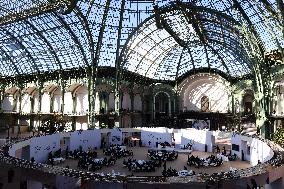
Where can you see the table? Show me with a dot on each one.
(98, 160)
(184, 173)
(224, 158)
(58, 160)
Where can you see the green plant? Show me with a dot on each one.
(52, 124)
(278, 137)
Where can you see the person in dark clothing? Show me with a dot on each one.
(218, 149)
(165, 165)
(258, 130)
(253, 183)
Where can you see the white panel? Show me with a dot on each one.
(45, 103)
(86, 139)
(41, 146)
(155, 135)
(198, 138)
(258, 149)
(116, 136)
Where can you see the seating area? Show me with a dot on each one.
(140, 165)
(162, 155)
(117, 151)
(204, 162)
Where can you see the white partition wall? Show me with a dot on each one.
(68, 103)
(82, 104)
(252, 149)
(154, 135)
(26, 103)
(41, 146)
(45, 103)
(116, 136)
(86, 139)
(198, 138)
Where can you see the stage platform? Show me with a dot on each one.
(170, 149)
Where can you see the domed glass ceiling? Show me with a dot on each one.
(41, 35)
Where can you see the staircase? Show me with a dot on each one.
(249, 128)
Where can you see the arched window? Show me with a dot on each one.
(205, 104)
(248, 100)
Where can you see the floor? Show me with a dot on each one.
(140, 153)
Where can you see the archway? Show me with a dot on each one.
(248, 102)
(162, 104)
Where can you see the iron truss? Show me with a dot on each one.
(161, 40)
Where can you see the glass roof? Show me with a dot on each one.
(98, 32)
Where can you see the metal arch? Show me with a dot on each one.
(11, 60)
(201, 35)
(38, 33)
(219, 56)
(129, 51)
(268, 6)
(124, 49)
(101, 32)
(280, 5)
(245, 16)
(87, 29)
(25, 49)
(51, 49)
(191, 57)
(235, 52)
(73, 35)
(35, 11)
(150, 51)
(189, 5)
(164, 52)
(179, 61)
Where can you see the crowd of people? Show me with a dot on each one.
(140, 165)
(169, 172)
(204, 162)
(162, 155)
(231, 157)
(117, 151)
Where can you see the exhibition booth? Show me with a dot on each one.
(252, 149)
